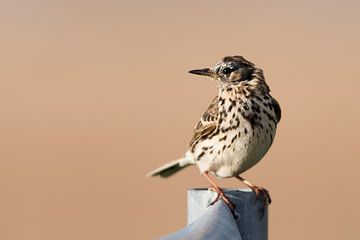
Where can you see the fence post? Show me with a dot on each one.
(217, 222)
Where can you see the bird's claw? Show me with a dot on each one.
(266, 197)
(218, 195)
(221, 195)
(264, 193)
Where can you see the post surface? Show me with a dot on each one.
(249, 221)
(217, 222)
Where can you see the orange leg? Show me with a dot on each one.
(219, 191)
(257, 190)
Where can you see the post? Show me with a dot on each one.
(217, 221)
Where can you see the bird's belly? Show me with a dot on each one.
(245, 154)
(240, 155)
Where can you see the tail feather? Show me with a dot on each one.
(170, 168)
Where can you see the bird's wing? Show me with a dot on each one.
(277, 109)
(208, 123)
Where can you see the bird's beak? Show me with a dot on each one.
(204, 72)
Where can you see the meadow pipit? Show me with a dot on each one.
(236, 130)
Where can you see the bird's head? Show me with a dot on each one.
(231, 70)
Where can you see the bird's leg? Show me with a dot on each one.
(257, 190)
(219, 191)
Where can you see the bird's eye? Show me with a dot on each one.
(227, 70)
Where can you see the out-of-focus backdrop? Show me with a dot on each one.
(94, 94)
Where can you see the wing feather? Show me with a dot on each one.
(277, 109)
(208, 123)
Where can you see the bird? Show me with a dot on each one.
(236, 130)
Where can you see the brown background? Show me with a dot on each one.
(94, 94)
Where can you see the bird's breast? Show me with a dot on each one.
(245, 133)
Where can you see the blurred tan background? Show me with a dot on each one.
(94, 94)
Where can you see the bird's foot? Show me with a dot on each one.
(221, 195)
(260, 191)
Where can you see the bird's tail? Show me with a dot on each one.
(171, 168)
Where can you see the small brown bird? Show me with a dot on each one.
(236, 130)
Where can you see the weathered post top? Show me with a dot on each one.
(217, 221)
